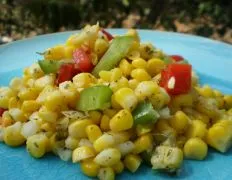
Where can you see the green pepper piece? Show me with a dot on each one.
(145, 114)
(95, 98)
(49, 66)
(117, 50)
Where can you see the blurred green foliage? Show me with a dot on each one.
(73, 14)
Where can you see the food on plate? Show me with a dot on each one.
(110, 103)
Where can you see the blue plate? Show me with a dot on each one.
(211, 59)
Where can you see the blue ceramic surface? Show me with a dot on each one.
(211, 59)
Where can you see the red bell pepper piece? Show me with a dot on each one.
(2, 110)
(107, 34)
(177, 58)
(82, 59)
(66, 72)
(176, 78)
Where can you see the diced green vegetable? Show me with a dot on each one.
(95, 98)
(49, 66)
(145, 114)
(117, 50)
(167, 158)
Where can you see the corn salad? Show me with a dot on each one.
(113, 109)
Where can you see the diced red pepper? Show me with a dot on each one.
(66, 72)
(82, 59)
(107, 34)
(177, 58)
(180, 75)
(2, 110)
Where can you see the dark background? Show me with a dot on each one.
(26, 18)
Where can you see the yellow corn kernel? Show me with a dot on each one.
(133, 52)
(228, 101)
(132, 162)
(5, 95)
(28, 94)
(133, 83)
(93, 132)
(90, 168)
(182, 100)
(14, 102)
(106, 173)
(82, 153)
(193, 114)
(145, 89)
(118, 168)
(69, 92)
(108, 157)
(116, 74)
(47, 115)
(105, 75)
(120, 137)
(110, 112)
(100, 46)
(71, 143)
(44, 81)
(126, 98)
(157, 100)
(206, 91)
(104, 141)
(143, 143)
(30, 106)
(105, 123)
(95, 117)
(48, 127)
(77, 128)
(16, 84)
(121, 83)
(54, 143)
(6, 119)
(146, 50)
(34, 71)
(162, 125)
(140, 74)
(37, 145)
(114, 103)
(125, 67)
(180, 121)
(217, 93)
(123, 120)
(54, 101)
(139, 63)
(154, 66)
(68, 52)
(85, 142)
(142, 129)
(219, 135)
(197, 129)
(83, 80)
(180, 141)
(55, 53)
(126, 147)
(12, 135)
(220, 102)
(195, 148)
(17, 114)
(44, 93)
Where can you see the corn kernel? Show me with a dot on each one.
(106, 173)
(143, 143)
(93, 132)
(103, 142)
(105, 123)
(132, 162)
(120, 137)
(95, 117)
(142, 129)
(14, 102)
(105, 75)
(180, 121)
(195, 148)
(47, 115)
(55, 53)
(145, 89)
(126, 98)
(30, 106)
(197, 129)
(118, 168)
(34, 71)
(6, 119)
(68, 52)
(82, 153)
(44, 93)
(44, 81)
(154, 66)
(17, 115)
(133, 83)
(146, 50)
(228, 101)
(90, 168)
(116, 74)
(139, 63)
(54, 101)
(126, 147)
(100, 46)
(206, 91)
(83, 80)
(108, 157)
(125, 67)
(77, 128)
(140, 74)
(28, 94)
(71, 143)
(114, 103)
(16, 84)
(123, 120)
